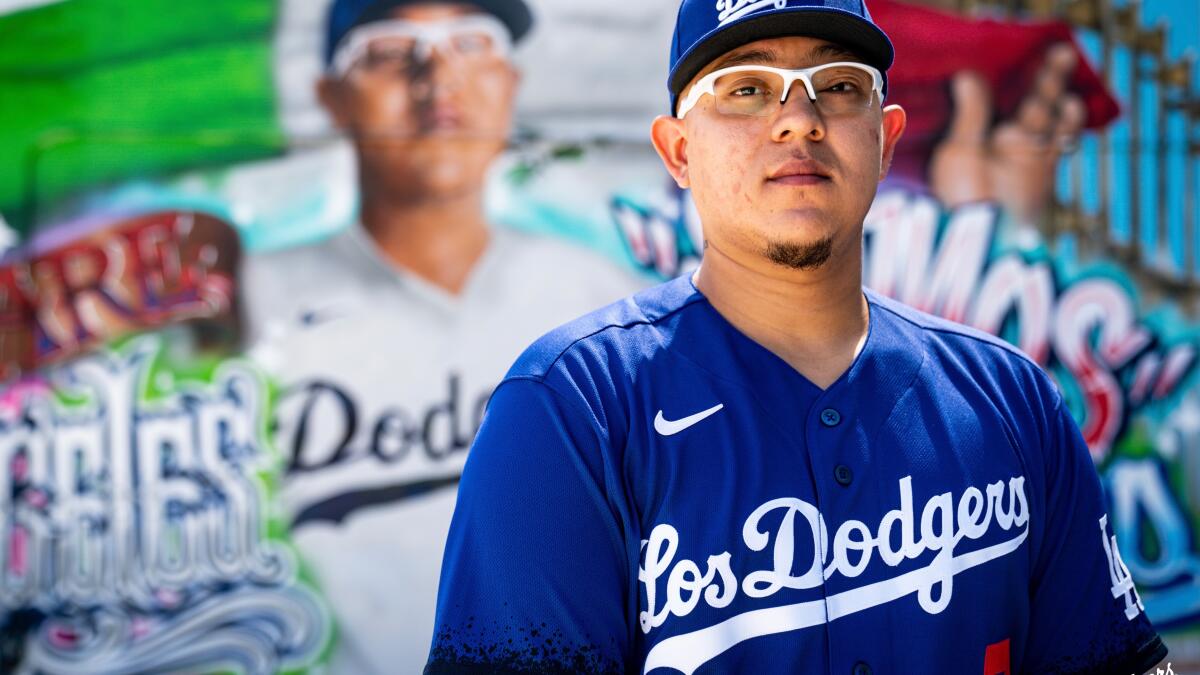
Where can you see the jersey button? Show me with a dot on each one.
(861, 668)
(831, 417)
(843, 475)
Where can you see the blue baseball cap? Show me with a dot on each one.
(346, 15)
(706, 29)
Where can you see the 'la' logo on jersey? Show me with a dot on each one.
(1122, 580)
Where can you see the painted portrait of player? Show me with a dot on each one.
(388, 338)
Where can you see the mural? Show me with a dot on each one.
(1045, 192)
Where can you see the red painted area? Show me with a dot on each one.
(133, 275)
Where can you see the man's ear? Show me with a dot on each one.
(670, 141)
(894, 122)
(329, 94)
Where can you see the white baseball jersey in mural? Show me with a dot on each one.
(383, 379)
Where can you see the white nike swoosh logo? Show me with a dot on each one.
(671, 427)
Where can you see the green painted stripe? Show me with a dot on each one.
(67, 37)
(168, 100)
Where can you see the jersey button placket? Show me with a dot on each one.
(843, 475)
(831, 417)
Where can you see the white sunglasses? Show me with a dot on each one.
(759, 91)
(452, 37)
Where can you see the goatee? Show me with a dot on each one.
(798, 256)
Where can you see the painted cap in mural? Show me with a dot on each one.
(706, 29)
(345, 15)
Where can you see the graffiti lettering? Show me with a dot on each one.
(141, 274)
(142, 509)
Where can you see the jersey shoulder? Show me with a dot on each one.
(568, 266)
(986, 359)
(307, 264)
(277, 286)
(614, 337)
(943, 328)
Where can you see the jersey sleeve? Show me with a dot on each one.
(535, 576)
(1086, 616)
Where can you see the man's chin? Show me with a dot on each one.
(429, 174)
(436, 187)
(800, 255)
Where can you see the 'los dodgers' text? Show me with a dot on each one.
(900, 535)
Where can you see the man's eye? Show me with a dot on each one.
(746, 89)
(846, 87)
(472, 44)
(387, 58)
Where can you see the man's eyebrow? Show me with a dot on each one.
(769, 57)
(832, 51)
(752, 56)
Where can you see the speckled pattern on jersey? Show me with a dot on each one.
(652, 491)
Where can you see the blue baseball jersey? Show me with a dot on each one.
(654, 492)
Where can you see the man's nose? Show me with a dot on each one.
(437, 76)
(798, 117)
(441, 73)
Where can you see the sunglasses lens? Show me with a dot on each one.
(473, 44)
(390, 52)
(843, 89)
(751, 92)
(397, 47)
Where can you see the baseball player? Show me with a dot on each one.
(388, 339)
(762, 468)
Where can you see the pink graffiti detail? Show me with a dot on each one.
(62, 636)
(18, 551)
(169, 598)
(12, 398)
(1012, 285)
(948, 290)
(37, 499)
(1147, 369)
(630, 222)
(1178, 362)
(904, 264)
(20, 467)
(887, 213)
(1087, 306)
(652, 238)
(666, 248)
(140, 627)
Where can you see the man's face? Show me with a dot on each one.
(793, 185)
(427, 117)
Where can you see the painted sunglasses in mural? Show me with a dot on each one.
(838, 88)
(398, 46)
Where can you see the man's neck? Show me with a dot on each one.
(439, 240)
(815, 320)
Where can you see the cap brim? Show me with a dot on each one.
(835, 25)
